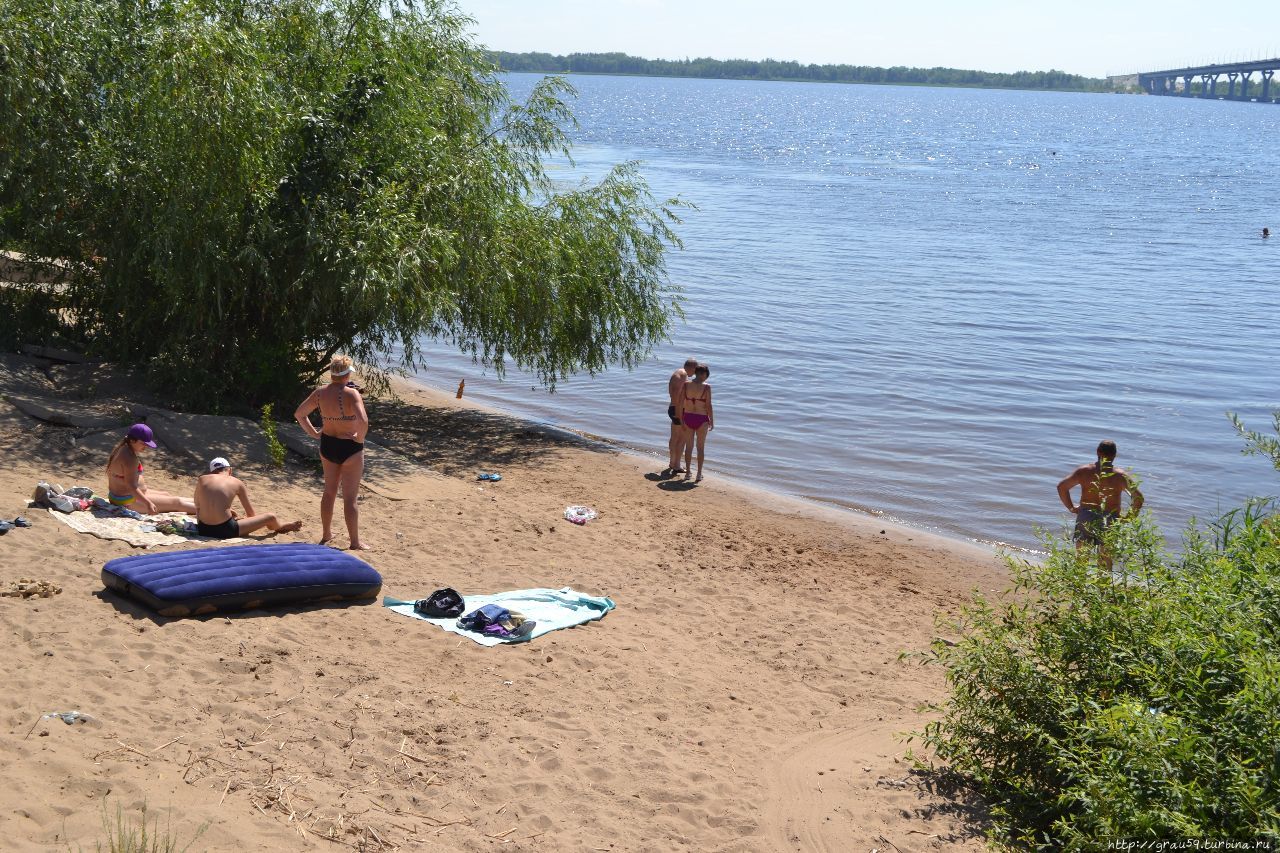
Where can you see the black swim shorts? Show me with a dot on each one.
(1090, 524)
(228, 529)
(671, 413)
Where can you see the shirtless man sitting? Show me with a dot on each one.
(1102, 485)
(215, 492)
(675, 390)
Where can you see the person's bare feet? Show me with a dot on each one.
(325, 540)
(291, 527)
(359, 546)
(698, 479)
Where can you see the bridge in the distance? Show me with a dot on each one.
(1231, 81)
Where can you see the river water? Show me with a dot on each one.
(933, 303)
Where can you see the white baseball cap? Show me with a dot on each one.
(217, 464)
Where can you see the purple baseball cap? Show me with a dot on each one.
(142, 432)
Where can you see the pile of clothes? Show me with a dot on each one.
(63, 500)
(174, 527)
(75, 499)
(491, 619)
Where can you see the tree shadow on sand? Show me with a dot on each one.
(943, 792)
(460, 441)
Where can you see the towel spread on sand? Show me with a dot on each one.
(552, 609)
(105, 525)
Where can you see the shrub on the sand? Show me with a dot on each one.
(272, 434)
(244, 187)
(1140, 704)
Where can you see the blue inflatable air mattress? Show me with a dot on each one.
(242, 577)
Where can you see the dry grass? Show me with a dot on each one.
(126, 834)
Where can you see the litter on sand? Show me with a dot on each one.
(579, 514)
(68, 717)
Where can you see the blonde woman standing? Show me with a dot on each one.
(345, 425)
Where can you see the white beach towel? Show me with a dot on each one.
(550, 608)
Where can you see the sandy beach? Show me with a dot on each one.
(746, 695)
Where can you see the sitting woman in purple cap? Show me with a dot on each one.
(125, 486)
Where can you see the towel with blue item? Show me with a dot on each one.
(549, 610)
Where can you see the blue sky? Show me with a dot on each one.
(1082, 37)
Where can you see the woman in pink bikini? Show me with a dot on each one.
(697, 417)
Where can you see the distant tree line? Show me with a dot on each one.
(773, 69)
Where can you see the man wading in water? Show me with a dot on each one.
(1102, 485)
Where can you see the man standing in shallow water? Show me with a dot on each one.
(675, 389)
(1102, 486)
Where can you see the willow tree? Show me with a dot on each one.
(243, 187)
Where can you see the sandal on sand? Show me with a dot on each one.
(21, 522)
(492, 478)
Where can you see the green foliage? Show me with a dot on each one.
(772, 69)
(1087, 705)
(244, 187)
(1257, 444)
(124, 835)
(274, 445)
(29, 314)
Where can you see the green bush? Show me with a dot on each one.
(28, 315)
(274, 445)
(1140, 704)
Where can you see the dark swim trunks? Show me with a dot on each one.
(228, 529)
(338, 450)
(671, 413)
(1090, 523)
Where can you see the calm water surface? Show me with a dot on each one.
(933, 303)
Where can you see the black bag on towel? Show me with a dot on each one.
(442, 604)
